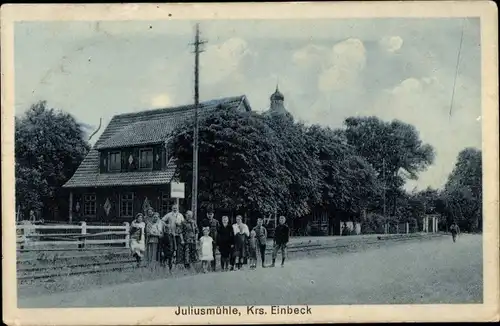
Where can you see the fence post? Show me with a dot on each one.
(127, 236)
(407, 227)
(397, 228)
(84, 232)
(23, 235)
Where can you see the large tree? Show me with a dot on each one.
(301, 165)
(239, 162)
(49, 146)
(348, 181)
(463, 193)
(393, 148)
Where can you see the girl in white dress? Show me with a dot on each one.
(206, 243)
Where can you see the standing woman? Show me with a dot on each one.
(241, 234)
(225, 242)
(154, 232)
(137, 238)
(189, 230)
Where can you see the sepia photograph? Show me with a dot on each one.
(235, 168)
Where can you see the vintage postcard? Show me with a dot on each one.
(250, 163)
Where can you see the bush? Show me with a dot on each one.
(374, 224)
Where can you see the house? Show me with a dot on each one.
(130, 167)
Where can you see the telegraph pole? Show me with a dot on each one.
(383, 176)
(197, 51)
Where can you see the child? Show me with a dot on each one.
(281, 237)
(168, 246)
(252, 250)
(225, 241)
(137, 238)
(207, 244)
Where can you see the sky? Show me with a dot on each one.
(328, 70)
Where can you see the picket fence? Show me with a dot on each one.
(70, 236)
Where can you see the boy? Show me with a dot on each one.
(261, 235)
(168, 246)
(281, 237)
(252, 250)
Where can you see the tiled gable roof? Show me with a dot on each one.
(142, 128)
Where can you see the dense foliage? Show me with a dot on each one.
(395, 151)
(49, 146)
(461, 199)
(267, 164)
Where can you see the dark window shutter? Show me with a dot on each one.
(124, 158)
(102, 156)
(157, 154)
(135, 154)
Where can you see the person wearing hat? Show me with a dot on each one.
(175, 219)
(213, 226)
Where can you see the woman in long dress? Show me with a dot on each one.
(154, 232)
(137, 238)
(241, 234)
(189, 230)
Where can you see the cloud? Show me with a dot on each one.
(391, 43)
(310, 55)
(161, 101)
(425, 103)
(222, 60)
(347, 61)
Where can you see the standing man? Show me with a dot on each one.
(455, 230)
(261, 235)
(190, 237)
(213, 225)
(175, 220)
(281, 237)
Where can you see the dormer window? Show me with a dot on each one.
(146, 159)
(115, 162)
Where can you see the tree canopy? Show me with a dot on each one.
(239, 162)
(462, 196)
(394, 149)
(49, 146)
(268, 164)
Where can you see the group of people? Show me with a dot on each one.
(175, 239)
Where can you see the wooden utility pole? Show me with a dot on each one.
(197, 51)
(383, 176)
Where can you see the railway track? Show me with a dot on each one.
(124, 264)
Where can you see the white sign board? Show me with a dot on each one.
(177, 189)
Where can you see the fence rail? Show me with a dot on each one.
(33, 236)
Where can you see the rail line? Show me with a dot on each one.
(30, 273)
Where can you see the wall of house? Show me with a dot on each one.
(153, 194)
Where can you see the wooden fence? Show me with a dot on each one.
(70, 236)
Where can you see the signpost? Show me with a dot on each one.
(177, 190)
